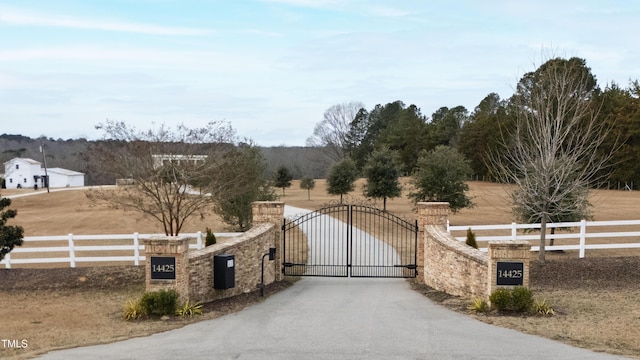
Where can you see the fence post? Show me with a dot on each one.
(136, 249)
(514, 231)
(199, 240)
(72, 252)
(7, 261)
(583, 237)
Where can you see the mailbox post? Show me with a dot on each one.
(272, 255)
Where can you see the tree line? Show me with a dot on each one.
(558, 136)
(74, 154)
(351, 131)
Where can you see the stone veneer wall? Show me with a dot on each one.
(248, 250)
(453, 266)
(449, 265)
(194, 269)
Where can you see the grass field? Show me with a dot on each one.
(594, 311)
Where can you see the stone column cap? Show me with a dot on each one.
(441, 203)
(508, 243)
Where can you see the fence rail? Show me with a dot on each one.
(576, 230)
(73, 251)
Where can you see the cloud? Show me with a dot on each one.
(308, 3)
(98, 57)
(14, 16)
(385, 11)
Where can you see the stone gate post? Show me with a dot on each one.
(271, 212)
(508, 264)
(429, 213)
(167, 264)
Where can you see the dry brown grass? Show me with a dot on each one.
(602, 319)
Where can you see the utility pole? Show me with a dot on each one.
(44, 160)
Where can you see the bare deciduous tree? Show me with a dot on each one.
(332, 132)
(551, 153)
(165, 169)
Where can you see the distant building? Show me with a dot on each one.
(163, 160)
(29, 173)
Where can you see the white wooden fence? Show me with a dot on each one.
(75, 250)
(580, 232)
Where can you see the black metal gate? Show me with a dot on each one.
(350, 240)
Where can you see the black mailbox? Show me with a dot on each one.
(224, 271)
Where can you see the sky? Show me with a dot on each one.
(272, 67)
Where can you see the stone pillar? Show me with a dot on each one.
(167, 254)
(271, 212)
(429, 213)
(508, 264)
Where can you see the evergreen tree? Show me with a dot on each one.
(10, 235)
(245, 183)
(382, 172)
(308, 184)
(283, 178)
(441, 176)
(341, 178)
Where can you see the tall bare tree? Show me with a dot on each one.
(164, 169)
(332, 132)
(551, 154)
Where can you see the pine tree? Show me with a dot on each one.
(10, 236)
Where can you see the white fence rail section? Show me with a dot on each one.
(75, 250)
(580, 232)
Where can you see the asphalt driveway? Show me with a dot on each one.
(338, 318)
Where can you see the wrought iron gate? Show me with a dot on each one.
(350, 240)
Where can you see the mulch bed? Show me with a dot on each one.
(597, 273)
(80, 278)
(111, 278)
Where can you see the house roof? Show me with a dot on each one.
(66, 172)
(27, 160)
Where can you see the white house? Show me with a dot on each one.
(27, 173)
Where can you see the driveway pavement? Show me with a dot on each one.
(338, 318)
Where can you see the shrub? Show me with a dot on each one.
(133, 310)
(471, 239)
(501, 299)
(543, 308)
(189, 309)
(159, 303)
(210, 238)
(478, 305)
(518, 299)
(522, 299)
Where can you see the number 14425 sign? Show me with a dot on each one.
(163, 268)
(510, 273)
